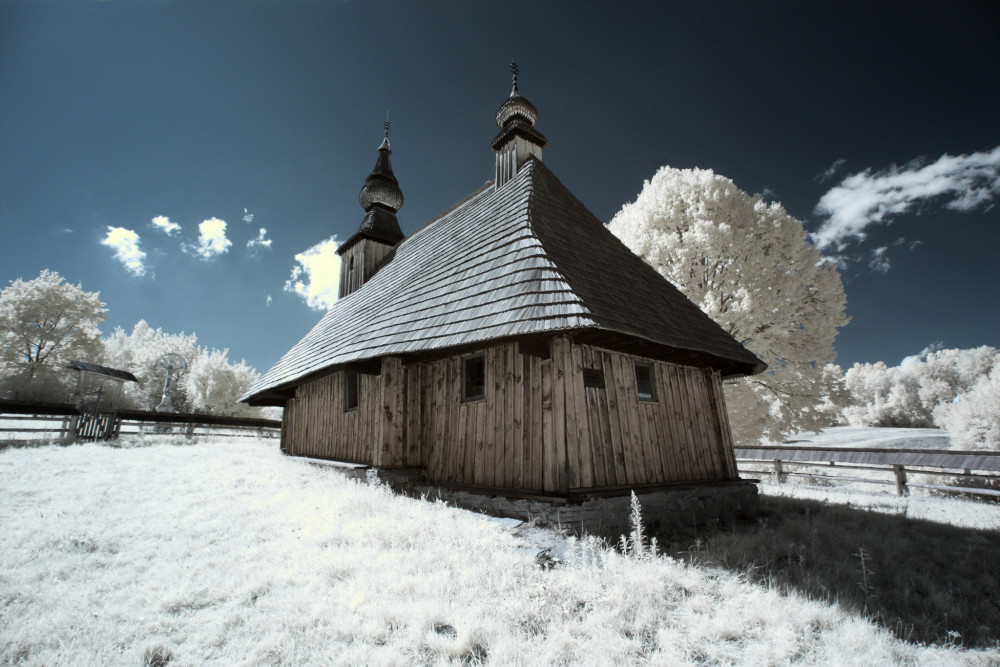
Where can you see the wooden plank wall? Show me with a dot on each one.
(316, 425)
(537, 429)
(618, 441)
(368, 256)
(506, 440)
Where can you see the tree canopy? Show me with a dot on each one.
(44, 323)
(748, 264)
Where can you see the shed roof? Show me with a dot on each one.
(525, 258)
(102, 370)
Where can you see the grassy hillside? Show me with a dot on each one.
(226, 552)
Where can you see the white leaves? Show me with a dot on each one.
(747, 264)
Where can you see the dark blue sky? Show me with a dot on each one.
(113, 113)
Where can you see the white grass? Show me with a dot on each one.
(879, 437)
(225, 552)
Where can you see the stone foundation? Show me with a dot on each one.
(665, 511)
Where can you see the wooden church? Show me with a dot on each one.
(510, 347)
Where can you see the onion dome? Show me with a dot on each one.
(381, 187)
(516, 118)
(516, 107)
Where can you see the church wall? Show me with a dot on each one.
(616, 440)
(541, 429)
(315, 423)
(367, 256)
(543, 426)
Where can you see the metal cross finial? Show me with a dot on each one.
(387, 124)
(513, 70)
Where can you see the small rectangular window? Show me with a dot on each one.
(350, 391)
(644, 384)
(593, 377)
(474, 377)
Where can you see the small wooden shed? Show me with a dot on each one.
(512, 346)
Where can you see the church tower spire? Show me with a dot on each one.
(518, 139)
(364, 253)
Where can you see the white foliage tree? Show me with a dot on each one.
(44, 323)
(213, 384)
(749, 266)
(974, 417)
(948, 388)
(137, 353)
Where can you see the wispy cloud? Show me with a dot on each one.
(960, 183)
(164, 224)
(212, 240)
(878, 261)
(830, 172)
(316, 277)
(267, 301)
(261, 241)
(247, 216)
(127, 251)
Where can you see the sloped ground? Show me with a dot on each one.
(226, 552)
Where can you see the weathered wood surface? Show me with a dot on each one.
(538, 428)
(316, 424)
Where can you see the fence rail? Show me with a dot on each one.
(62, 421)
(961, 468)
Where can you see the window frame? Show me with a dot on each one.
(347, 391)
(652, 397)
(465, 395)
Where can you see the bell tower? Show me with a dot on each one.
(364, 253)
(518, 139)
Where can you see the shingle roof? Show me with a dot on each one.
(102, 370)
(525, 258)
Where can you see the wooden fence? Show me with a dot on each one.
(879, 466)
(63, 422)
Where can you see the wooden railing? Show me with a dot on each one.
(55, 421)
(881, 466)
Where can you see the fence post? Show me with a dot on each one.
(777, 471)
(900, 472)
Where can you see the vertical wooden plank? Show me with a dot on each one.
(451, 443)
(705, 419)
(535, 440)
(586, 461)
(676, 423)
(627, 399)
(727, 433)
(523, 416)
(550, 461)
(559, 370)
(515, 405)
(700, 396)
(695, 449)
(489, 465)
(725, 448)
(665, 435)
(623, 467)
(572, 443)
(509, 372)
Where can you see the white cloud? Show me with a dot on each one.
(261, 241)
(164, 224)
(963, 183)
(212, 240)
(879, 261)
(917, 358)
(316, 278)
(267, 301)
(127, 251)
(830, 171)
(247, 216)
